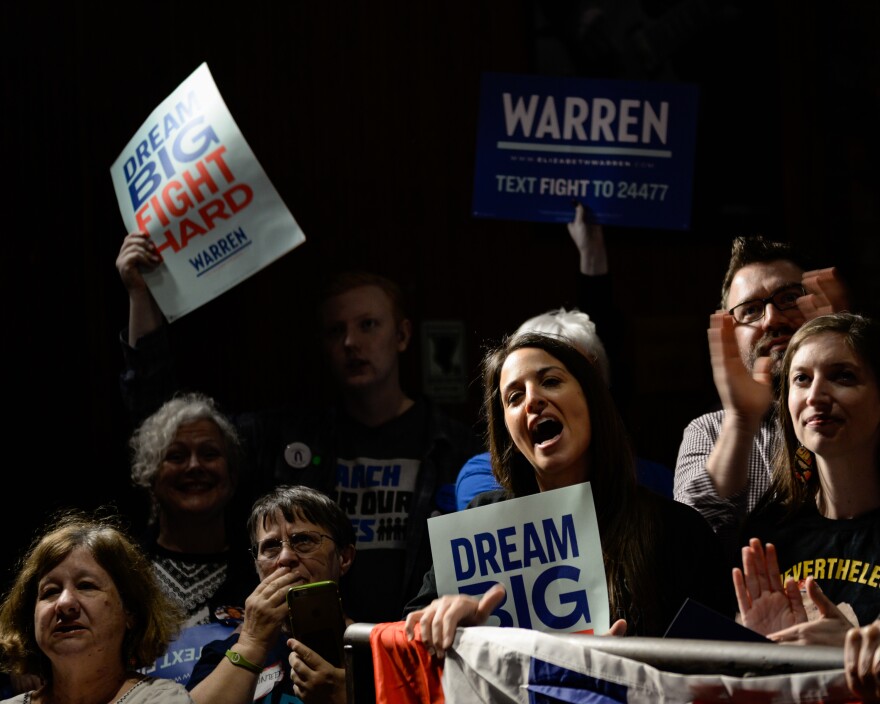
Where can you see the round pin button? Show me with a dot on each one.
(297, 455)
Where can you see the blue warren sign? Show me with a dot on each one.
(625, 149)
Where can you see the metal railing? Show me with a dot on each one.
(679, 655)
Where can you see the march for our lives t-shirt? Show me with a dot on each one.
(376, 475)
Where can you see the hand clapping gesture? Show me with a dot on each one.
(747, 394)
(861, 660)
(827, 293)
(776, 610)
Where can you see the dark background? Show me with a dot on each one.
(364, 117)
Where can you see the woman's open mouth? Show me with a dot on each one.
(546, 430)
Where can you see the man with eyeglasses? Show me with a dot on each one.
(725, 456)
(298, 535)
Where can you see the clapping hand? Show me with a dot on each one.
(861, 661)
(776, 610)
(748, 394)
(765, 605)
(826, 293)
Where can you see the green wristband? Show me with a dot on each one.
(239, 660)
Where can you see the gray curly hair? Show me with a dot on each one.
(151, 440)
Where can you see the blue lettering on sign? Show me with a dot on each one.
(561, 542)
(533, 549)
(520, 601)
(507, 548)
(219, 252)
(479, 553)
(485, 547)
(144, 149)
(517, 593)
(477, 589)
(578, 598)
(463, 559)
(186, 148)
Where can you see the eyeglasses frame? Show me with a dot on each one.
(254, 550)
(765, 301)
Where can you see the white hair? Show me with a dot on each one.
(576, 327)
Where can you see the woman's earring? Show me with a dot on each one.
(804, 463)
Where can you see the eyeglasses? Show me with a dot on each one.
(304, 543)
(783, 299)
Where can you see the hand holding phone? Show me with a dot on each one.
(316, 619)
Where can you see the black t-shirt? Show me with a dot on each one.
(376, 477)
(842, 555)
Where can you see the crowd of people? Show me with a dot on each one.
(771, 515)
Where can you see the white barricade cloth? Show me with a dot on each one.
(490, 664)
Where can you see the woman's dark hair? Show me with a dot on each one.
(626, 523)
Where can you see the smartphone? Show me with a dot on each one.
(317, 620)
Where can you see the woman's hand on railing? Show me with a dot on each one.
(439, 620)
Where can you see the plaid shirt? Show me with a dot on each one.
(693, 486)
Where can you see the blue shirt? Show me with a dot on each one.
(476, 476)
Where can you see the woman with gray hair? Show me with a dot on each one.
(187, 457)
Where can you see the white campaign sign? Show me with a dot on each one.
(543, 548)
(190, 181)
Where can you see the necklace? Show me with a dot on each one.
(27, 696)
(134, 687)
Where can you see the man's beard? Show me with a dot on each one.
(761, 350)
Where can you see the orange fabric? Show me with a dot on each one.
(404, 670)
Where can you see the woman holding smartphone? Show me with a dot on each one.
(298, 536)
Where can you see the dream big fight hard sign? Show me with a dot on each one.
(190, 181)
